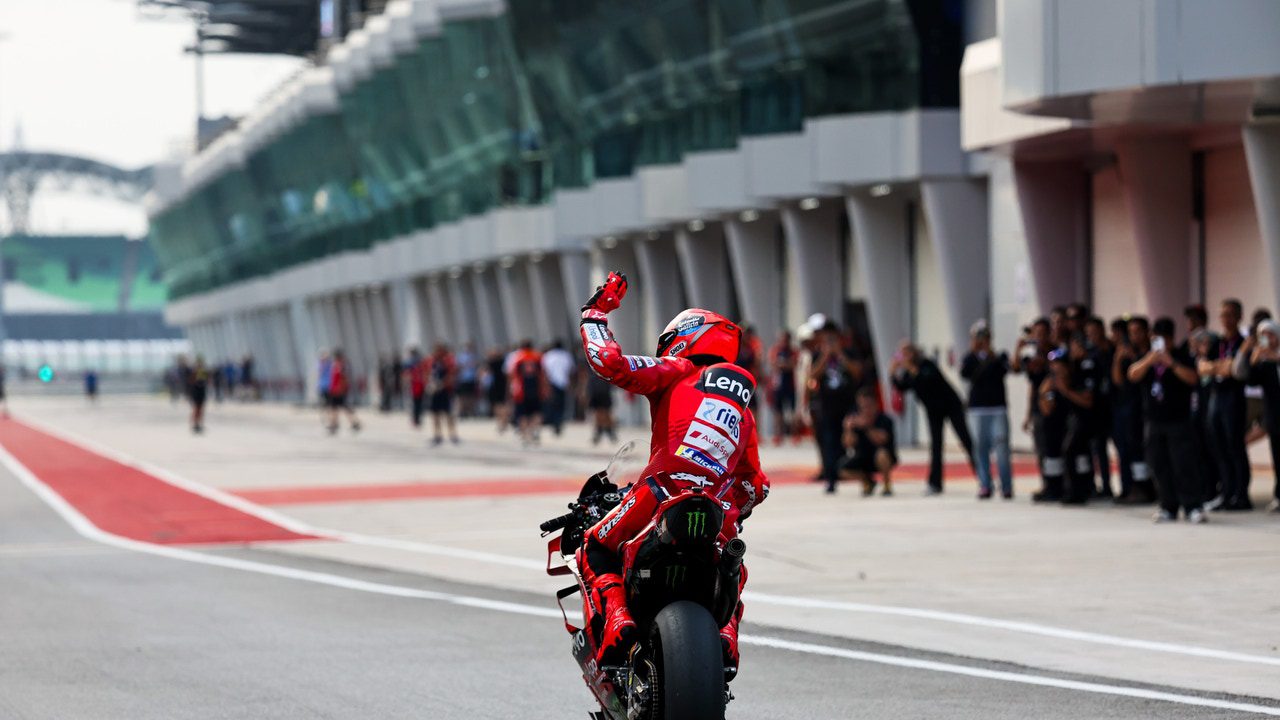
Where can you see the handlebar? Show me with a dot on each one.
(558, 523)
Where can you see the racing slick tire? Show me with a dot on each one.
(686, 648)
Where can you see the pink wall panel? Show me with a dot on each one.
(1235, 265)
(1117, 286)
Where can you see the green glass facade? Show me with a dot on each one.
(553, 94)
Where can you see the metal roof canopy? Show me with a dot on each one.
(23, 173)
(284, 27)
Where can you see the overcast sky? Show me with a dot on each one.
(101, 78)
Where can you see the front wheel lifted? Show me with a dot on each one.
(685, 644)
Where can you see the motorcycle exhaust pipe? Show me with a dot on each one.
(734, 551)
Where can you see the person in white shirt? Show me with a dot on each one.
(558, 364)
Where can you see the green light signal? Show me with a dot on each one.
(45, 374)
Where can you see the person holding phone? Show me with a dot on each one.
(1066, 399)
(1258, 363)
(1167, 379)
(834, 376)
(1227, 413)
(1140, 490)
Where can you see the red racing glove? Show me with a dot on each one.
(607, 297)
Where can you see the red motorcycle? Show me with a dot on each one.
(681, 580)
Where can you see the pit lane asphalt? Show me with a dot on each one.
(92, 631)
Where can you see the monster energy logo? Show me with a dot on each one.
(675, 575)
(696, 522)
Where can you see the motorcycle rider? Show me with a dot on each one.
(703, 434)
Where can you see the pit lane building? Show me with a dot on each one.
(465, 170)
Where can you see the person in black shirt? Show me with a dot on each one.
(782, 385)
(870, 445)
(1258, 363)
(834, 376)
(1167, 380)
(1031, 356)
(197, 384)
(912, 371)
(1227, 414)
(1130, 424)
(1203, 345)
(988, 412)
(1065, 398)
(1098, 364)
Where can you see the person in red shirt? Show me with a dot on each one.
(339, 387)
(415, 371)
(703, 434)
(528, 391)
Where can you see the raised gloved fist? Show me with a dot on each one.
(608, 296)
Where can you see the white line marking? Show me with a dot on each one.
(84, 527)
(87, 529)
(295, 525)
(1023, 678)
(288, 523)
(1011, 625)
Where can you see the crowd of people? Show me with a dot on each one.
(1178, 409)
(524, 389)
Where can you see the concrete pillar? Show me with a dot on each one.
(347, 331)
(575, 275)
(304, 345)
(406, 313)
(755, 254)
(1156, 173)
(491, 329)
(882, 251)
(235, 336)
(813, 251)
(659, 265)
(428, 330)
(463, 313)
(518, 303)
(957, 213)
(436, 289)
(546, 287)
(704, 263)
(368, 341)
(627, 322)
(1054, 200)
(380, 313)
(320, 332)
(260, 344)
(331, 321)
(1262, 148)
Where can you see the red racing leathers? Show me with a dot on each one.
(703, 433)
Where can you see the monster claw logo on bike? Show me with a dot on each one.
(675, 575)
(696, 523)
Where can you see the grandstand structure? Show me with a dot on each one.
(75, 302)
(463, 170)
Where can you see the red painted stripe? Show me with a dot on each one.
(911, 472)
(125, 501)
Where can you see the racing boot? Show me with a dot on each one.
(729, 633)
(613, 625)
(729, 644)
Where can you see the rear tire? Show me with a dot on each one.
(686, 648)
